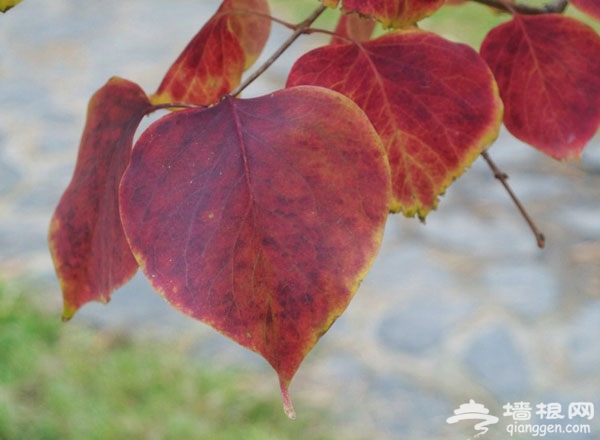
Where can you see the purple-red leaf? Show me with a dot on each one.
(394, 13)
(88, 246)
(548, 71)
(212, 63)
(433, 102)
(260, 216)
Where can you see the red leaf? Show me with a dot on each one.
(260, 216)
(548, 71)
(434, 103)
(394, 13)
(355, 27)
(90, 252)
(252, 29)
(212, 63)
(590, 7)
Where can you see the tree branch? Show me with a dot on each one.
(299, 30)
(503, 177)
(557, 7)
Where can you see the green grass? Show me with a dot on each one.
(67, 381)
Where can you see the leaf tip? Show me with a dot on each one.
(68, 312)
(288, 407)
(6, 5)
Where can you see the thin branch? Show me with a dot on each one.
(557, 7)
(257, 14)
(503, 177)
(330, 33)
(299, 30)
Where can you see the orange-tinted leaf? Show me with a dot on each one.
(394, 13)
(434, 103)
(5, 5)
(90, 252)
(590, 7)
(260, 216)
(355, 27)
(251, 29)
(548, 71)
(212, 63)
(331, 3)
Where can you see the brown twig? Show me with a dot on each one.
(503, 177)
(299, 30)
(557, 7)
(256, 14)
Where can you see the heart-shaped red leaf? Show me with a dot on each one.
(88, 246)
(260, 216)
(433, 102)
(394, 13)
(212, 63)
(548, 71)
(590, 7)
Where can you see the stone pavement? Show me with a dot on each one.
(464, 307)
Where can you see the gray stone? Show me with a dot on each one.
(583, 347)
(590, 159)
(21, 236)
(61, 139)
(503, 235)
(24, 95)
(135, 306)
(532, 188)
(582, 220)
(421, 323)
(526, 286)
(408, 267)
(498, 364)
(405, 410)
(41, 198)
(343, 366)
(214, 348)
(510, 153)
(10, 176)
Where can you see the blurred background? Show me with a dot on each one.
(463, 307)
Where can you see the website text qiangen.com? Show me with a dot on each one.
(541, 430)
